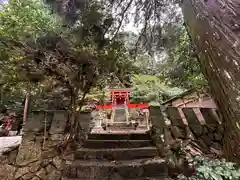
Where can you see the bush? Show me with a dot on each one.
(212, 169)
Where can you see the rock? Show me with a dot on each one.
(6, 172)
(45, 162)
(218, 136)
(205, 130)
(177, 145)
(49, 168)
(41, 174)
(54, 175)
(59, 122)
(202, 144)
(49, 153)
(36, 178)
(28, 176)
(12, 157)
(207, 139)
(34, 167)
(57, 162)
(197, 130)
(21, 172)
(28, 153)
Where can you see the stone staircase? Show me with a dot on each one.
(117, 156)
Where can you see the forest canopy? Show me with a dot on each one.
(32, 33)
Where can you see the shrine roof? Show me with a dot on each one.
(120, 90)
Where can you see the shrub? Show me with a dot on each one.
(212, 169)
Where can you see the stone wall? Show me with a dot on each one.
(197, 137)
(45, 147)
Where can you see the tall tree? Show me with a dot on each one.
(214, 27)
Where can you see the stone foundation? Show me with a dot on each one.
(189, 133)
(45, 148)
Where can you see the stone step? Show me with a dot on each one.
(120, 124)
(163, 177)
(99, 144)
(116, 154)
(110, 136)
(113, 128)
(103, 170)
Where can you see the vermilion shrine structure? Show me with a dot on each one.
(120, 105)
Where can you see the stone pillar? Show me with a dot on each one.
(97, 121)
(158, 128)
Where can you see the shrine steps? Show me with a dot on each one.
(116, 143)
(122, 136)
(101, 169)
(117, 156)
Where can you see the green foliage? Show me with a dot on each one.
(20, 23)
(180, 67)
(151, 89)
(213, 169)
(21, 19)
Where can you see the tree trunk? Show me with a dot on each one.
(214, 27)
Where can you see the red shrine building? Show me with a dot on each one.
(120, 97)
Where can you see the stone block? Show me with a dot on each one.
(28, 176)
(197, 130)
(35, 122)
(156, 117)
(21, 172)
(29, 152)
(205, 130)
(41, 174)
(203, 145)
(84, 119)
(207, 140)
(49, 168)
(174, 116)
(50, 153)
(54, 175)
(36, 178)
(177, 132)
(6, 172)
(12, 156)
(34, 167)
(59, 122)
(191, 116)
(57, 162)
(209, 116)
(218, 136)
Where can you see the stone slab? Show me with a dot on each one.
(125, 169)
(116, 154)
(98, 144)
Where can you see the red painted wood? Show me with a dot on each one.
(131, 106)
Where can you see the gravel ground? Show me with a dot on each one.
(7, 142)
